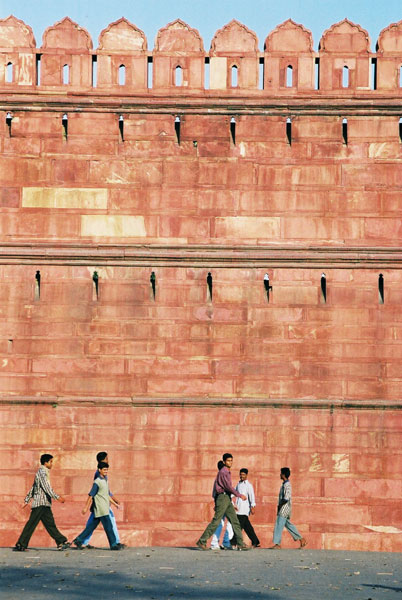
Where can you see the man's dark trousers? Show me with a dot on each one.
(44, 514)
(249, 529)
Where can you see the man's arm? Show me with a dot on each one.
(225, 481)
(251, 497)
(92, 493)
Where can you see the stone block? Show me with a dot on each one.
(81, 198)
(117, 226)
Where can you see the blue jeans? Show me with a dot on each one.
(91, 526)
(90, 523)
(282, 522)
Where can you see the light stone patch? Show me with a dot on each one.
(85, 198)
(248, 227)
(341, 463)
(112, 226)
(316, 466)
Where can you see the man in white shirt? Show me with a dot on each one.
(246, 507)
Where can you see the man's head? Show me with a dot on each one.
(227, 460)
(243, 474)
(285, 473)
(101, 456)
(103, 468)
(46, 460)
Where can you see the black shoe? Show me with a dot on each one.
(118, 547)
(87, 547)
(78, 544)
(19, 548)
(64, 546)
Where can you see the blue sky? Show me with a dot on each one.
(207, 16)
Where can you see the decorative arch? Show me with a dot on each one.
(390, 39)
(345, 37)
(234, 38)
(122, 36)
(67, 35)
(14, 33)
(177, 36)
(289, 37)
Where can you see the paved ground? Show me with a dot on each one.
(177, 573)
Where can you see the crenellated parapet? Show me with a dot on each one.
(344, 63)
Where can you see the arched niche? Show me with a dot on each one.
(345, 44)
(178, 45)
(122, 43)
(289, 49)
(17, 44)
(234, 45)
(389, 58)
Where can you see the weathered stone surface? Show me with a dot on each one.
(185, 271)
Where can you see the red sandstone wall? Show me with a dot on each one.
(346, 470)
(168, 383)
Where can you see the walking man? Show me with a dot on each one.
(41, 494)
(284, 513)
(223, 489)
(246, 507)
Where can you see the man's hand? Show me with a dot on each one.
(62, 499)
(84, 510)
(252, 510)
(24, 505)
(243, 497)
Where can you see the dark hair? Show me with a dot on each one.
(101, 456)
(285, 471)
(45, 458)
(226, 456)
(220, 464)
(244, 470)
(102, 465)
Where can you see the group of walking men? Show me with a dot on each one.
(100, 498)
(98, 501)
(237, 514)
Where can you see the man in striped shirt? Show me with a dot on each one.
(41, 494)
(284, 513)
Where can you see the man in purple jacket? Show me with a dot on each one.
(223, 489)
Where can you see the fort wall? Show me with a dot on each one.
(200, 251)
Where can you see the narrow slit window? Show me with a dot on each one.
(267, 286)
(95, 289)
(289, 76)
(66, 74)
(289, 131)
(121, 128)
(9, 73)
(373, 75)
(345, 131)
(177, 123)
(38, 67)
(209, 287)
(261, 67)
(122, 75)
(400, 129)
(233, 130)
(317, 74)
(37, 285)
(345, 77)
(381, 288)
(400, 76)
(64, 124)
(206, 74)
(9, 120)
(234, 76)
(94, 70)
(152, 281)
(150, 66)
(323, 288)
(178, 76)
